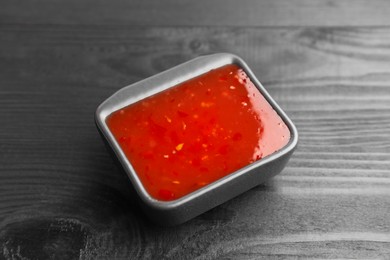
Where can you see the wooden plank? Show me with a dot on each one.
(199, 13)
(61, 196)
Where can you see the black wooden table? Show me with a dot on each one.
(327, 63)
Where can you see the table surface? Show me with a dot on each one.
(327, 63)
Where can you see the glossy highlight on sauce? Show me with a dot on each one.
(197, 132)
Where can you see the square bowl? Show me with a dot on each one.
(179, 210)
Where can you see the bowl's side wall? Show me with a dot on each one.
(225, 192)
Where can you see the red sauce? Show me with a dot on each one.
(197, 132)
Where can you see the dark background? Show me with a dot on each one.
(327, 63)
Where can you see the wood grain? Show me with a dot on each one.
(62, 197)
(198, 13)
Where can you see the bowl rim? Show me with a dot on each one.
(170, 78)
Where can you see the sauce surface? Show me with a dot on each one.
(197, 132)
